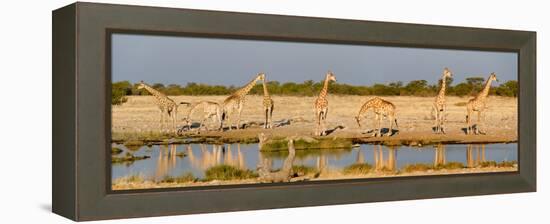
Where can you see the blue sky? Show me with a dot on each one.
(179, 60)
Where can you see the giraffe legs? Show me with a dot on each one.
(161, 122)
(203, 122)
(436, 120)
(379, 120)
(266, 124)
(439, 119)
(324, 121)
(480, 119)
(390, 131)
(318, 123)
(268, 117)
(219, 120)
(469, 122)
(442, 119)
(226, 118)
(271, 117)
(239, 110)
(174, 119)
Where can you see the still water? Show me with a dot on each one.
(199, 157)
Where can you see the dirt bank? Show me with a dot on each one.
(145, 184)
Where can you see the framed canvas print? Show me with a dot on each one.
(160, 111)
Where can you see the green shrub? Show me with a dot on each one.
(450, 166)
(507, 164)
(493, 163)
(227, 172)
(417, 167)
(304, 170)
(119, 90)
(488, 164)
(358, 168)
(185, 178)
(116, 151)
(134, 178)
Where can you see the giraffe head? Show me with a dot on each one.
(261, 76)
(447, 73)
(358, 120)
(493, 77)
(330, 76)
(141, 85)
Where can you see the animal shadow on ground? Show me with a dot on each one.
(185, 128)
(330, 131)
(276, 124)
(474, 130)
(434, 129)
(383, 131)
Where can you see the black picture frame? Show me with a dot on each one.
(81, 111)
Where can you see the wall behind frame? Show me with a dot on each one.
(26, 44)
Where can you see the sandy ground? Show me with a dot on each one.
(124, 185)
(140, 115)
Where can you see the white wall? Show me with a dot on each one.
(25, 48)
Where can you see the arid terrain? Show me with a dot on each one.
(136, 122)
(140, 115)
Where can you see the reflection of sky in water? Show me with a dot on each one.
(200, 157)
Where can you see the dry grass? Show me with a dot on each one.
(139, 182)
(227, 172)
(184, 178)
(358, 168)
(140, 114)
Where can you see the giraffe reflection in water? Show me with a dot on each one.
(440, 155)
(219, 155)
(381, 164)
(475, 155)
(177, 160)
(166, 160)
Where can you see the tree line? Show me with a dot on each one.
(471, 86)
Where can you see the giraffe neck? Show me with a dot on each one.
(366, 106)
(324, 91)
(158, 95)
(266, 93)
(364, 109)
(443, 86)
(245, 89)
(485, 90)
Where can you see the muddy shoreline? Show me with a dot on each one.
(250, 136)
(132, 185)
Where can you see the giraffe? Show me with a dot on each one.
(381, 108)
(237, 100)
(210, 109)
(479, 104)
(166, 105)
(439, 106)
(268, 107)
(321, 105)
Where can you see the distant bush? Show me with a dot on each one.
(311, 88)
(119, 91)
